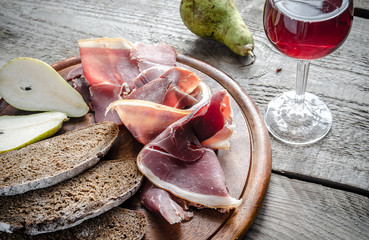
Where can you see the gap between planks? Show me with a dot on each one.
(360, 12)
(323, 182)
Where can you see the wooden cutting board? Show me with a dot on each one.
(247, 164)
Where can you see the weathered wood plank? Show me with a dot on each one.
(313, 212)
(50, 30)
(362, 4)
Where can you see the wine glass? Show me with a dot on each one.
(304, 30)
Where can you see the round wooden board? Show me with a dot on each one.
(247, 164)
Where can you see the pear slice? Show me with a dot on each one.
(19, 131)
(32, 85)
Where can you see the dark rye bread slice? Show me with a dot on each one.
(69, 203)
(118, 223)
(56, 159)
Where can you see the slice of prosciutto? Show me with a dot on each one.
(176, 161)
(210, 125)
(150, 55)
(107, 65)
(149, 75)
(201, 181)
(146, 120)
(108, 60)
(178, 141)
(218, 115)
(160, 201)
(101, 97)
(173, 88)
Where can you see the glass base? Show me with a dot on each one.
(298, 124)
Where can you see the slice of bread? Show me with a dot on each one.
(69, 203)
(56, 159)
(118, 223)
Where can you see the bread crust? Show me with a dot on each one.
(69, 203)
(56, 159)
(118, 223)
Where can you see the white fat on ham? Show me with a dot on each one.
(111, 43)
(203, 95)
(221, 139)
(150, 55)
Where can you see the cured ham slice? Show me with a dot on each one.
(82, 86)
(213, 123)
(184, 83)
(161, 201)
(173, 88)
(146, 120)
(149, 75)
(108, 60)
(101, 96)
(152, 55)
(176, 162)
(76, 72)
(185, 80)
(179, 141)
(107, 66)
(201, 181)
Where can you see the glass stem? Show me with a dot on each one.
(301, 80)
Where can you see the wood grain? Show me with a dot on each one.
(313, 212)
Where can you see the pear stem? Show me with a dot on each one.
(250, 53)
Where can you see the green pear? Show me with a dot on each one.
(19, 131)
(219, 20)
(32, 85)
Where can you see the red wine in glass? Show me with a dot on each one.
(305, 30)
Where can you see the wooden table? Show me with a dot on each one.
(316, 192)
